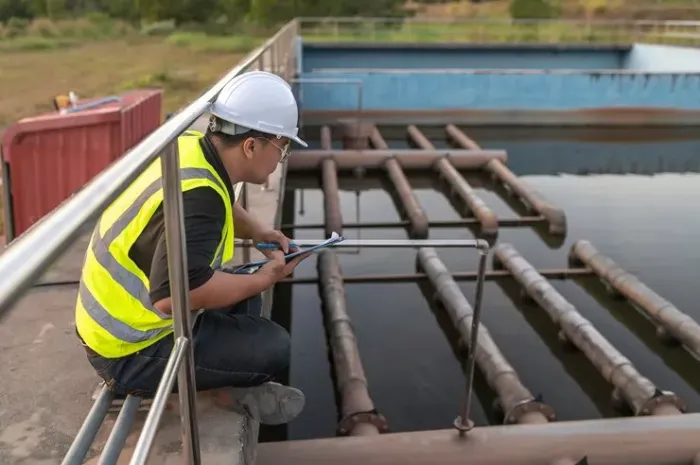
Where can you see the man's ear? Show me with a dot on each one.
(249, 147)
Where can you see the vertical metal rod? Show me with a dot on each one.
(83, 440)
(179, 290)
(463, 423)
(333, 217)
(244, 204)
(301, 202)
(165, 387)
(117, 438)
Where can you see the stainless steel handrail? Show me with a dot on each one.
(27, 257)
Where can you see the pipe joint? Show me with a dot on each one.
(662, 401)
(520, 409)
(373, 417)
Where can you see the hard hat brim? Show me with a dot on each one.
(299, 141)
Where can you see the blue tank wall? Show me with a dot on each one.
(403, 56)
(535, 78)
(501, 91)
(506, 83)
(645, 57)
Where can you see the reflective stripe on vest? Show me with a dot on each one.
(106, 279)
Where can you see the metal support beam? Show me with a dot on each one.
(516, 401)
(671, 322)
(667, 440)
(493, 275)
(637, 391)
(502, 222)
(458, 185)
(358, 414)
(310, 160)
(532, 199)
(408, 198)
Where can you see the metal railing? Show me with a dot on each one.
(433, 30)
(29, 256)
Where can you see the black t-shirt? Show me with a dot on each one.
(204, 217)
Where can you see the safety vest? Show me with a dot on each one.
(114, 314)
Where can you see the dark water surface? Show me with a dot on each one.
(648, 223)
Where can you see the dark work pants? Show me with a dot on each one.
(232, 347)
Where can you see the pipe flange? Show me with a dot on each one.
(528, 406)
(461, 426)
(662, 398)
(373, 417)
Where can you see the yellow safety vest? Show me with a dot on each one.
(114, 314)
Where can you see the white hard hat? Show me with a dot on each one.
(260, 101)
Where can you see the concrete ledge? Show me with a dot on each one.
(589, 117)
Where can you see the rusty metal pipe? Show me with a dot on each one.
(506, 222)
(454, 133)
(668, 440)
(358, 415)
(670, 321)
(532, 199)
(310, 160)
(411, 205)
(518, 403)
(457, 276)
(476, 206)
(638, 392)
(329, 181)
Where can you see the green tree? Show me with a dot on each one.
(274, 11)
(532, 9)
(14, 9)
(182, 11)
(47, 8)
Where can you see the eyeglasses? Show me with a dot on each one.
(284, 151)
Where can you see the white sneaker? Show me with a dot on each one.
(270, 403)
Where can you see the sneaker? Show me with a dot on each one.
(270, 403)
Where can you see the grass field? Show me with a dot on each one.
(182, 64)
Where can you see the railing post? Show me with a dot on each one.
(179, 292)
(244, 204)
(463, 422)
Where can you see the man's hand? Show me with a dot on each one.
(273, 236)
(277, 269)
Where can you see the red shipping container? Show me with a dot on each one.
(47, 158)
